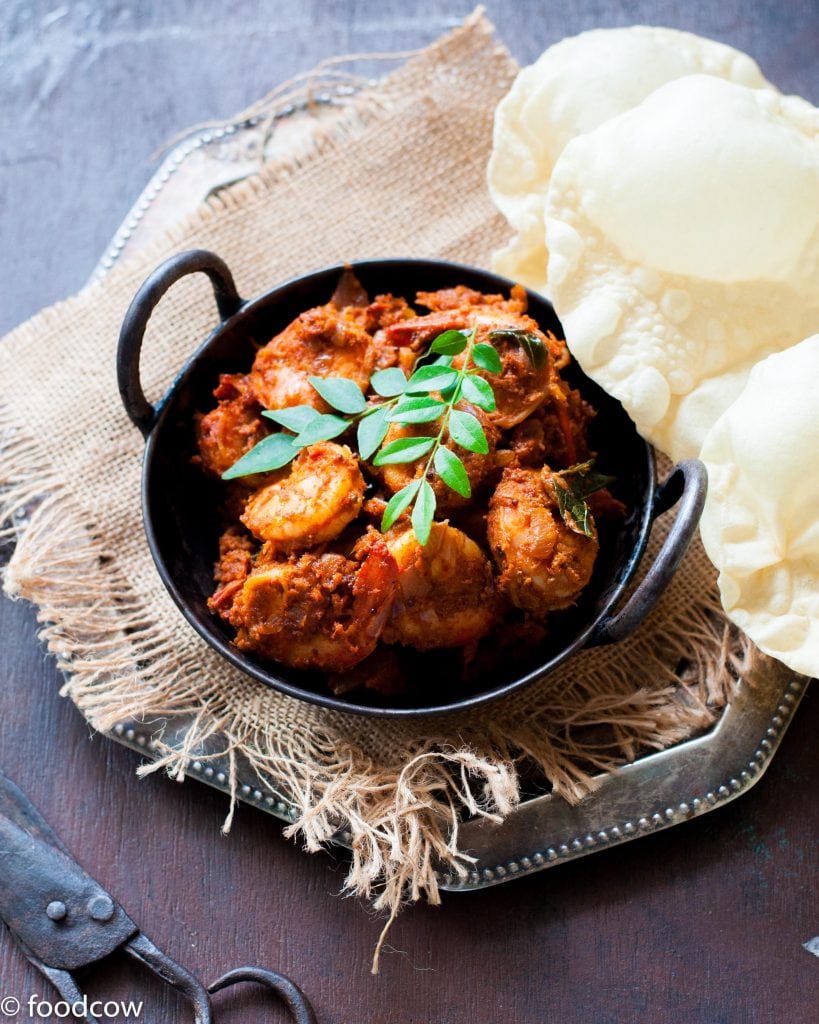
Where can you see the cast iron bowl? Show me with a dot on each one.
(180, 505)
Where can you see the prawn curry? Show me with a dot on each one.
(398, 479)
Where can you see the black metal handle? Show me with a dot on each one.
(288, 991)
(194, 261)
(687, 485)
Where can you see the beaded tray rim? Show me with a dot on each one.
(655, 792)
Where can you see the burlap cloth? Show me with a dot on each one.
(401, 174)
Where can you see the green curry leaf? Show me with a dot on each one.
(531, 343)
(271, 453)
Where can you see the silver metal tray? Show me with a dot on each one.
(655, 792)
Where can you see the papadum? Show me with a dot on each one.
(760, 526)
(576, 85)
(683, 241)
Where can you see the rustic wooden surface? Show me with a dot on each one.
(702, 924)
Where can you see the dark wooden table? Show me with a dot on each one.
(702, 924)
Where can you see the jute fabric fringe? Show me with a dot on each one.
(401, 174)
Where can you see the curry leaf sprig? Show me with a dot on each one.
(572, 486)
(309, 426)
(430, 395)
(463, 427)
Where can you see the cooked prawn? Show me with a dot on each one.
(317, 611)
(479, 467)
(225, 433)
(446, 592)
(544, 564)
(323, 342)
(520, 388)
(321, 494)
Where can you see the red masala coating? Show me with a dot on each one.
(305, 578)
(230, 430)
